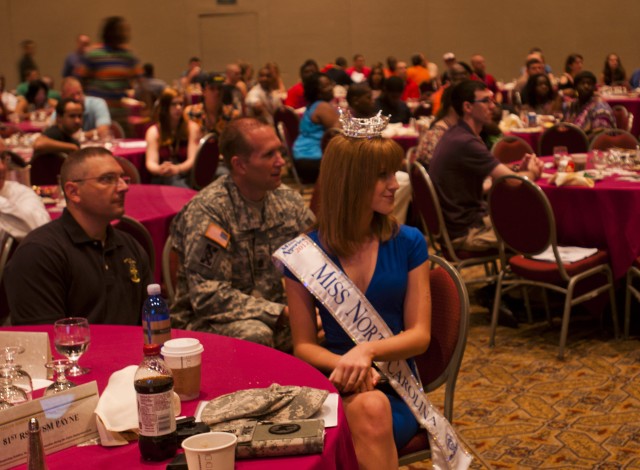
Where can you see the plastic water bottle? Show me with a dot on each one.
(156, 321)
(156, 419)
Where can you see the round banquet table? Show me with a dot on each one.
(228, 365)
(605, 217)
(406, 141)
(134, 151)
(633, 106)
(154, 206)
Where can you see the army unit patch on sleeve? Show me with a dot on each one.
(216, 234)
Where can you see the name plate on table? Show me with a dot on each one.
(66, 419)
(37, 351)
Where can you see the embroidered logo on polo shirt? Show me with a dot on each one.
(133, 270)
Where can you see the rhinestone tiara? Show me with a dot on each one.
(362, 128)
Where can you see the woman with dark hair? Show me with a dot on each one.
(572, 66)
(35, 99)
(378, 261)
(172, 142)
(613, 73)
(446, 118)
(390, 101)
(539, 96)
(319, 116)
(376, 80)
(589, 112)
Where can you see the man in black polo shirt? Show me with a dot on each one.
(79, 265)
(59, 138)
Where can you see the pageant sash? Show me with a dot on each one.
(361, 322)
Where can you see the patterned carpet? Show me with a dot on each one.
(518, 407)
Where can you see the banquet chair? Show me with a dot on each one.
(440, 363)
(565, 134)
(624, 119)
(142, 236)
(426, 203)
(525, 225)
(170, 263)
(45, 168)
(287, 124)
(632, 274)
(117, 132)
(510, 148)
(129, 169)
(410, 157)
(206, 163)
(8, 245)
(613, 138)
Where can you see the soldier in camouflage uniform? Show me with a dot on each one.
(224, 237)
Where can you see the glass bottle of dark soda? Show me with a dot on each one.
(153, 382)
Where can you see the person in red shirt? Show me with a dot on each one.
(358, 71)
(295, 94)
(480, 69)
(411, 90)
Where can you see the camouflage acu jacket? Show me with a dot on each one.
(225, 272)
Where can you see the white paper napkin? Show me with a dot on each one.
(568, 254)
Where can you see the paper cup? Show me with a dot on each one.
(580, 161)
(184, 357)
(211, 450)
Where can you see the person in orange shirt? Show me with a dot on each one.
(418, 72)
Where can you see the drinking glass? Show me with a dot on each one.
(8, 392)
(599, 160)
(60, 367)
(71, 338)
(559, 152)
(19, 377)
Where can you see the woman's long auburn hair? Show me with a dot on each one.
(349, 171)
(163, 118)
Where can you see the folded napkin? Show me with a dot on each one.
(568, 254)
(117, 410)
(563, 178)
(132, 144)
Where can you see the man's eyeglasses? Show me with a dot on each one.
(110, 179)
(485, 100)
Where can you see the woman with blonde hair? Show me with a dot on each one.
(387, 265)
(172, 142)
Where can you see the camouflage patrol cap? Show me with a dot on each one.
(275, 403)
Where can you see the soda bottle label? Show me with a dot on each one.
(155, 414)
(160, 331)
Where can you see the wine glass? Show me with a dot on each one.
(60, 367)
(20, 377)
(8, 392)
(71, 338)
(559, 152)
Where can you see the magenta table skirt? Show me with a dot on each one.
(154, 206)
(532, 138)
(604, 217)
(228, 365)
(134, 155)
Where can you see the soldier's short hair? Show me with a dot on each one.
(234, 139)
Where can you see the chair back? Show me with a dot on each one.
(142, 236)
(565, 134)
(411, 156)
(204, 168)
(45, 168)
(440, 363)
(7, 246)
(624, 119)
(522, 218)
(510, 148)
(287, 124)
(170, 264)
(116, 130)
(614, 138)
(426, 202)
(129, 169)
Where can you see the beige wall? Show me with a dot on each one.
(168, 32)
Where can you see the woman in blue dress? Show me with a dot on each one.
(388, 263)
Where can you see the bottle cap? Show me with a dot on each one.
(153, 289)
(151, 349)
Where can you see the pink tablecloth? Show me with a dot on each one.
(154, 206)
(532, 138)
(632, 105)
(228, 365)
(602, 217)
(135, 155)
(406, 141)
